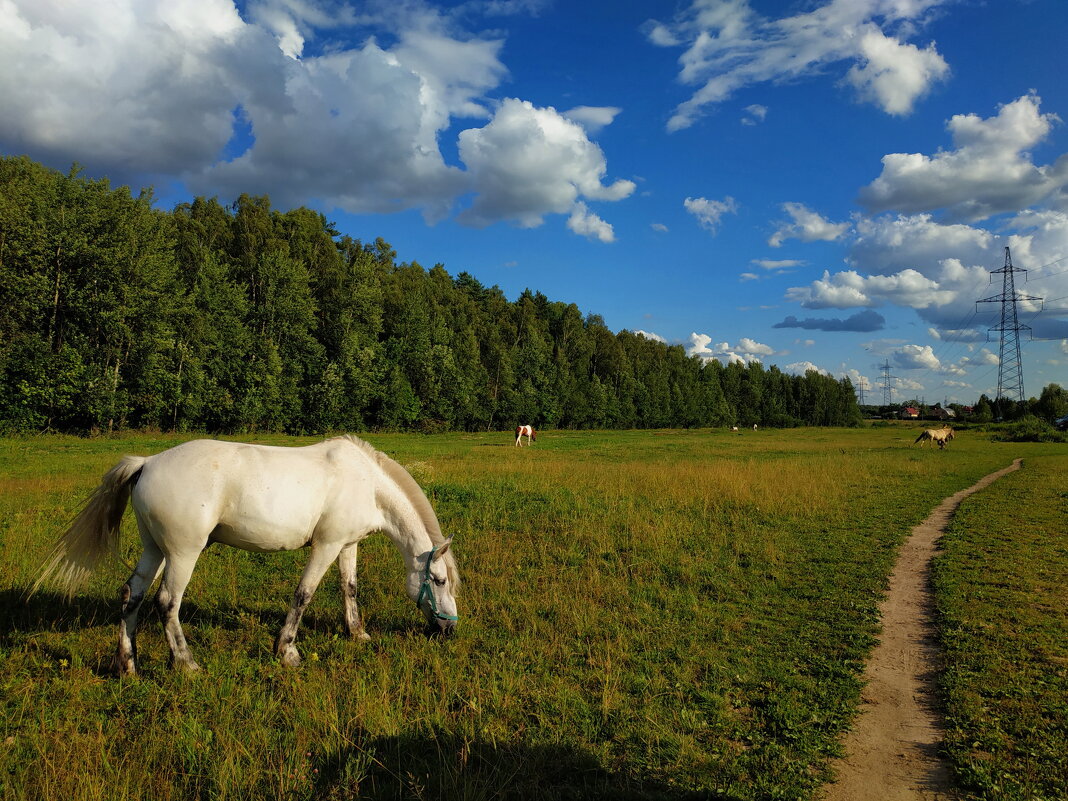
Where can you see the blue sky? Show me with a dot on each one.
(817, 185)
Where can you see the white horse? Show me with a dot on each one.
(326, 497)
(531, 434)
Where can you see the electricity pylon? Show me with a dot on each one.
(888, 390)
(1010, 365)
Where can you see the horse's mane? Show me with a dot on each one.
(414, 493)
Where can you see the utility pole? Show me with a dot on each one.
(888, 390)
(1010, 365)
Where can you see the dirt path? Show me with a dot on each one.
(892, 750)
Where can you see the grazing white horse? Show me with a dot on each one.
(935, 435)
(326, 497)
(530, 433)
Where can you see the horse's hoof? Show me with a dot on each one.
(123, 668)
(361, 636)
(290, 658)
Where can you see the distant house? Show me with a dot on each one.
(910, 412)
(938, 413)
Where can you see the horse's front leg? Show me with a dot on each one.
(318, 562)
(346, 562)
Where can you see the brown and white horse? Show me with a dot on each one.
(935, 435)
(528, 431)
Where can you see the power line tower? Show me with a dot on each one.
(888, 389)
(860, 393)
(1010, 366)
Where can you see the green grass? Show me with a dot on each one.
(1004, 604)
(666, 614)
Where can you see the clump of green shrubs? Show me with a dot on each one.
(1030, 429)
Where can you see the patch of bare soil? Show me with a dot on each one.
(892, 750)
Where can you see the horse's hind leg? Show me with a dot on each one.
(175, 579)
(346, 562)
(133, 593)
(318, 562)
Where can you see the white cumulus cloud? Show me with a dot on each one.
(650, 335)
(988, 171)
(265, 98)
(916, 357)
(529, 162)
(729, 46)
(755, 114)
(710, 212)
(984, 358)
(585, 223)
(800, 368)
(592, 118)
(806, 225)
(942, 269)
(849, 289)
(780, 265)
(887, 244)
(894, 73)
(746, 349)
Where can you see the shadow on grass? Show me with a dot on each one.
(49, 611)
(23, 615)
(444, 766)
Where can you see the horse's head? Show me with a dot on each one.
(432, 584)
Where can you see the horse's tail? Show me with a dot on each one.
(923, 435)
(94, 532)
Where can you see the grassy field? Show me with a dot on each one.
(673, 614)
(1001, 581)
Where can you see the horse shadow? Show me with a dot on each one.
(443, 765)
(24, 614)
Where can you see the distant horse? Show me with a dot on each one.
(734, 428)
(935, 435)
(531, 434)
(754, 426)
(326, 497)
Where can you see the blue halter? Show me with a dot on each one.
(426, 590)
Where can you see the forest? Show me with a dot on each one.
(237, 318)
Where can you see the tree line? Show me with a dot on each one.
(115, 314)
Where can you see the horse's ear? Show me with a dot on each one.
(441, 549)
